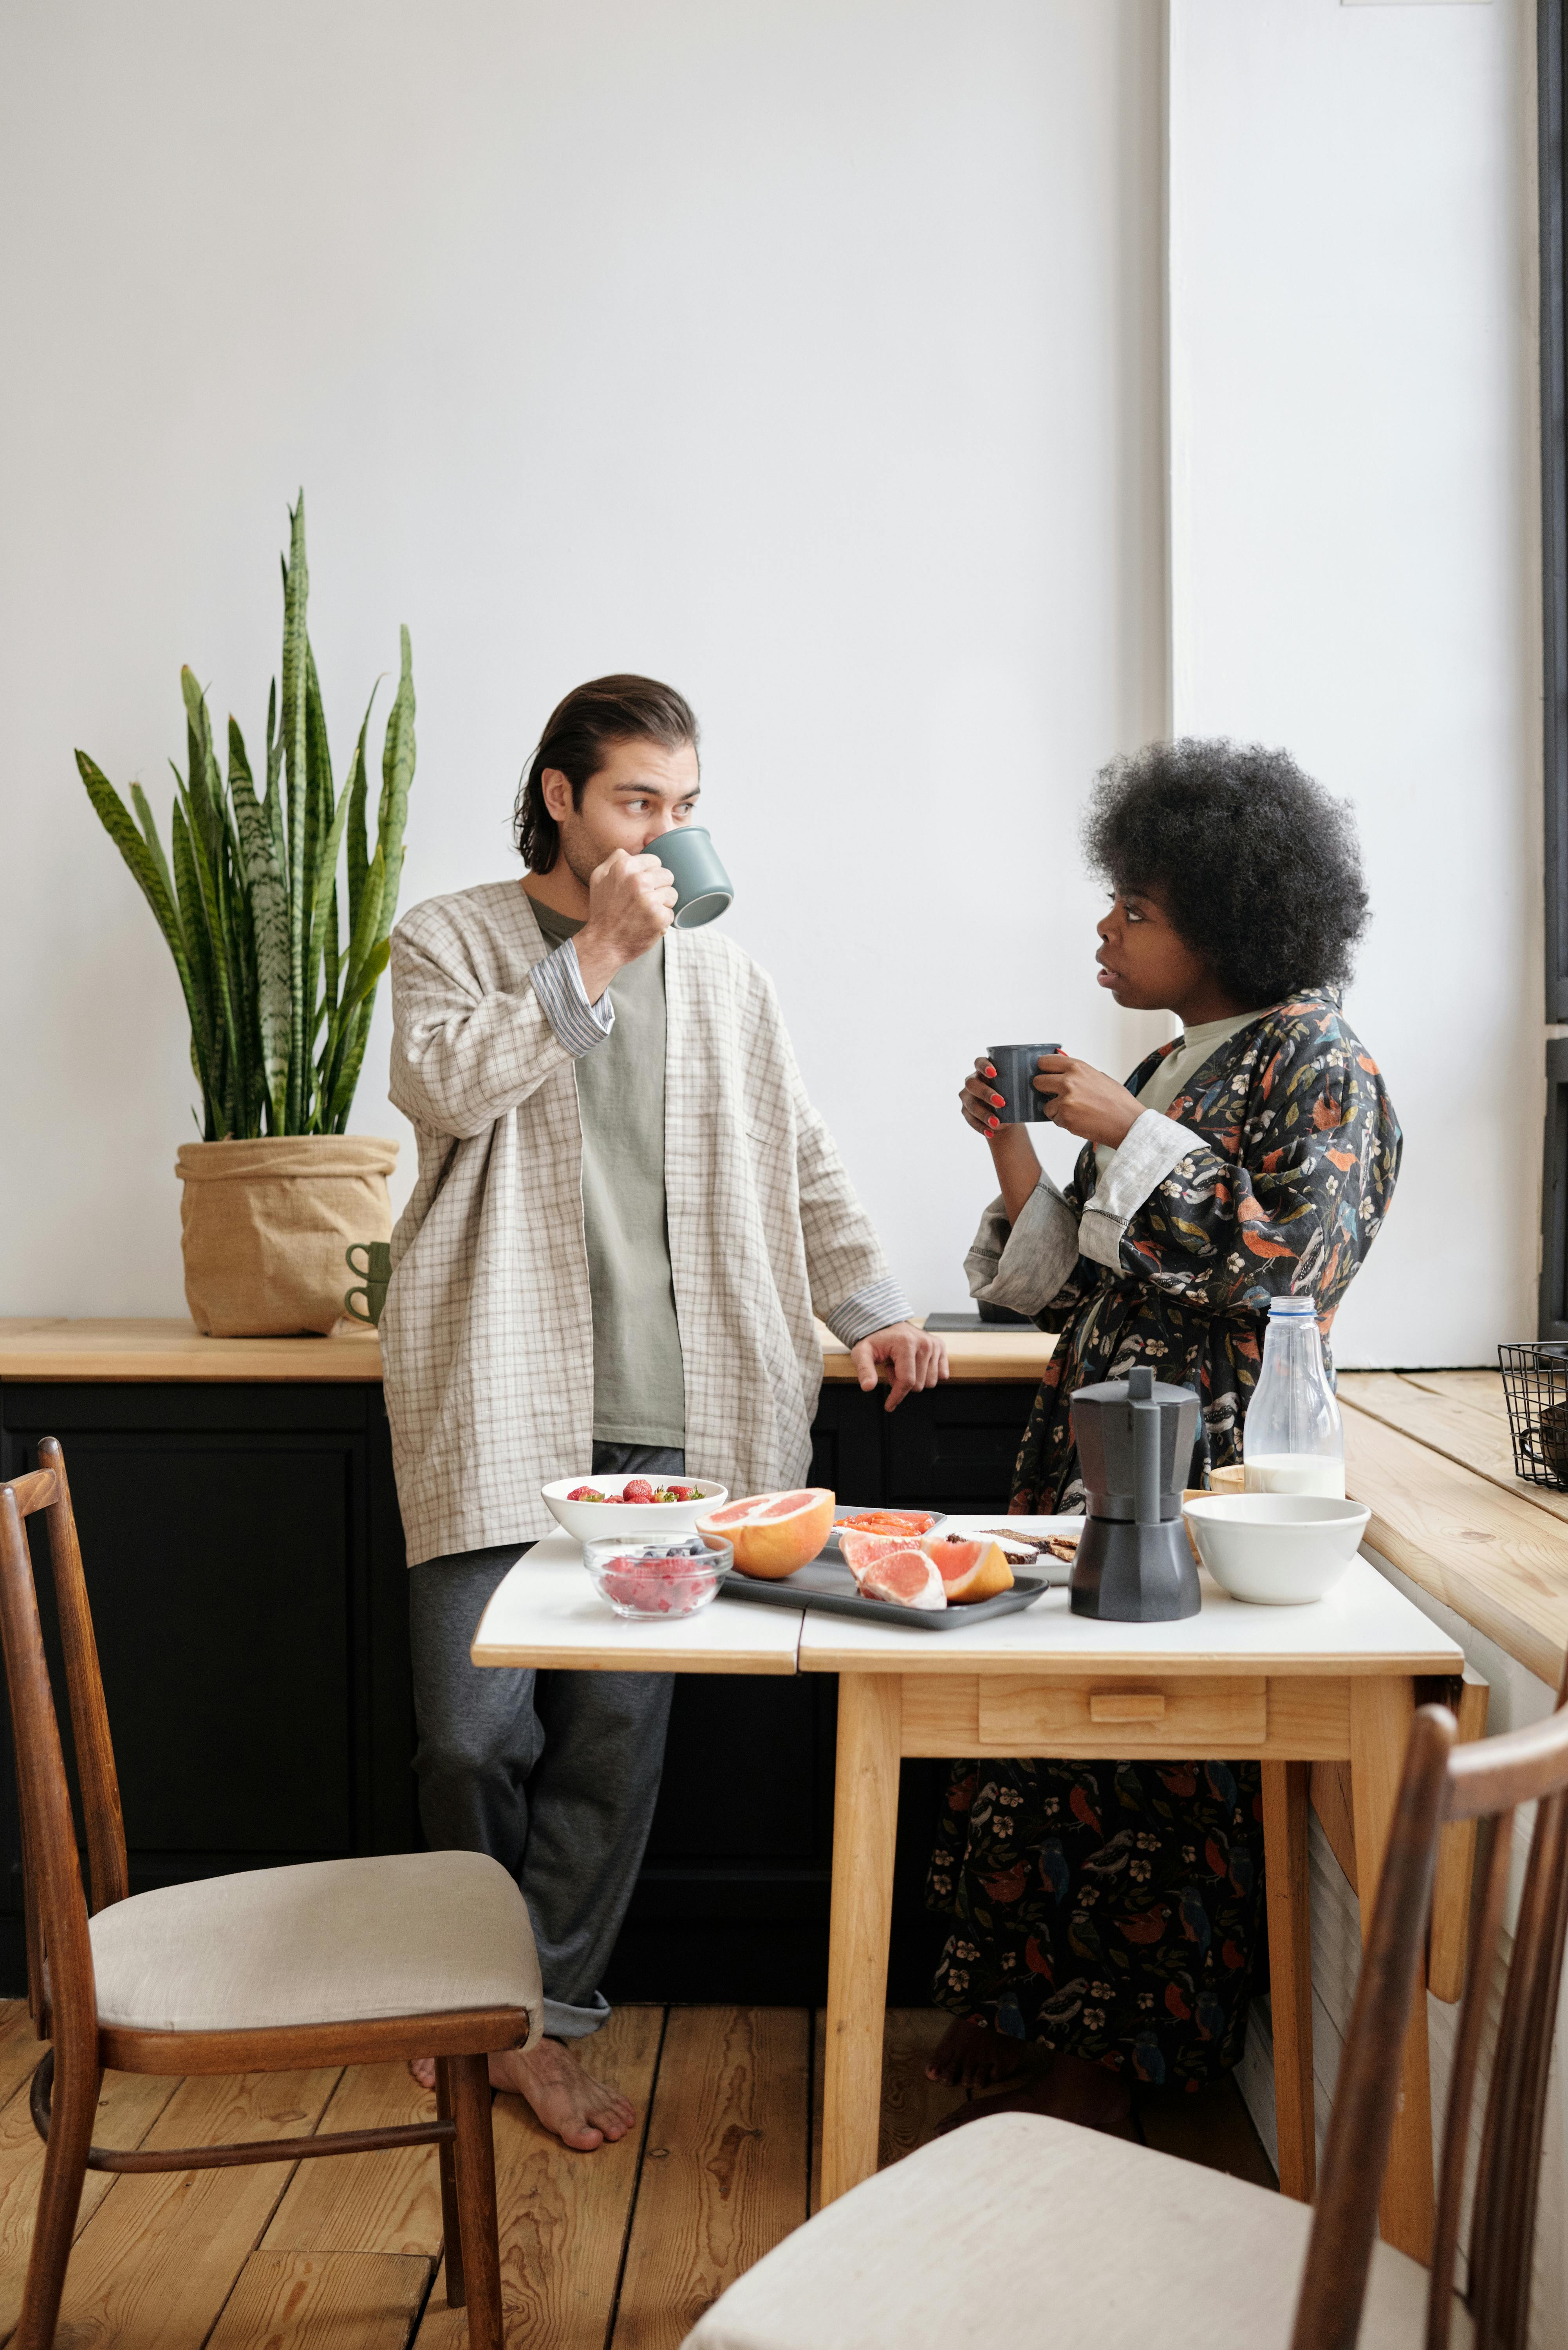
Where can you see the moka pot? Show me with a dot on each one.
(1135, 1439)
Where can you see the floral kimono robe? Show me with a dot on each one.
(1111, 1910)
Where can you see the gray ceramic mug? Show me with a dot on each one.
(703, 890)
(1016, 1073)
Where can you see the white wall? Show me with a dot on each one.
(1354, 527)
(808, 354)
(805, 355)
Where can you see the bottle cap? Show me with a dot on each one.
(1303, 1305)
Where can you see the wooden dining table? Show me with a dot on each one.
(1336, 1681)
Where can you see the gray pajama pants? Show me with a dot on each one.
(555, 1775)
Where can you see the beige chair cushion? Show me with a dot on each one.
(1020, 2231)
(335, 1941)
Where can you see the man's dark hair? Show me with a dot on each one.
(579, 735)
(1258, 867)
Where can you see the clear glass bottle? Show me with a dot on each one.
(1293, 1441)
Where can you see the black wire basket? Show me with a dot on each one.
(1535, 1382)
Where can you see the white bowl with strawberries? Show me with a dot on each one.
(614, 1509)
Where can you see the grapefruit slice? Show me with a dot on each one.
(907, 1577)
(774, 1534)
(972, 1566)
(858, 1549)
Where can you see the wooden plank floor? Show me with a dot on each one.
(618, 2251)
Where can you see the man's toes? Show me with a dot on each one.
(423, 2069)
(610, 2114)
(581, 2137)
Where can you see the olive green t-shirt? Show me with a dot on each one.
(640, 1381)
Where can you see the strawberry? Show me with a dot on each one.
(584, 1494)
(636, 1489)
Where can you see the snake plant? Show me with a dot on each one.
(279, 990)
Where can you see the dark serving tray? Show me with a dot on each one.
(827, 1584)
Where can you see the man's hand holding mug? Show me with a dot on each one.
(631, 904)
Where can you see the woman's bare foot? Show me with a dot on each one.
(1069, 2090)
(972, 2055)
(581, 2112)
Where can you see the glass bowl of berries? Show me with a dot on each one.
(675, 1575)
(607, 1509)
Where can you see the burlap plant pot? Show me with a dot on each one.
(265, 1226)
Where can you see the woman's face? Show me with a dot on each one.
(1146, 964)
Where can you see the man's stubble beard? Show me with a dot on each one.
(579, 855)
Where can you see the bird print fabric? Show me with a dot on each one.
(1111, 1910)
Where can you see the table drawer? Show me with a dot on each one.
(1182, 1714)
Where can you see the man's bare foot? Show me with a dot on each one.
(578, 2110)
(972, 2055)
(1069, 2090)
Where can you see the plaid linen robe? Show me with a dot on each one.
(487, 1332)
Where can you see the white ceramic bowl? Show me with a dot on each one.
(617, 1520)
(1278, 1549)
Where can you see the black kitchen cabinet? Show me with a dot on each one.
(245, 1562)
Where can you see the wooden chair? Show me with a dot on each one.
(1021, 2230)
(266, 1972)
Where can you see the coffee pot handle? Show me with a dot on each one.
(1145, 1434)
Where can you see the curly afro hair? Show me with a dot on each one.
(1258, 867)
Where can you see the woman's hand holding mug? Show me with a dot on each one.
(1077, 1097)
(1082, 1100)
(1013, 1153)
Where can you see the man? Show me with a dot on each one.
(626, 1212)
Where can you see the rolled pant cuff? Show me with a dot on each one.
(563, 2023)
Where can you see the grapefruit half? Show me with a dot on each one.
(774, 1534)
(972, 1566)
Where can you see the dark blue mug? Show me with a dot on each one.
(1017, 1066)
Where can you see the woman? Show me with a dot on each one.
(1110, 1911)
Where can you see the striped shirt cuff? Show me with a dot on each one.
(578, 1024)
(874, 1308)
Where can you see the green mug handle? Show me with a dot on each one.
(350, 1295)
(362, 1270)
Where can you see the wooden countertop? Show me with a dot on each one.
(40, 1347)
(1429, 1452)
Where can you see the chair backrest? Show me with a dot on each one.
(57, 1910)
(1443, 1782)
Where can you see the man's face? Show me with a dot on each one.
(641, 790)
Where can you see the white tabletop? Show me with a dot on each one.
(546, 1612)
(1364, 1626)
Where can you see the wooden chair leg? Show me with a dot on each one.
(73, 2110)
(451, 2225)
(469, 2080)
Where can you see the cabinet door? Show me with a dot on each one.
(953, 1448)
(225, 1535)
(218, 1578)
